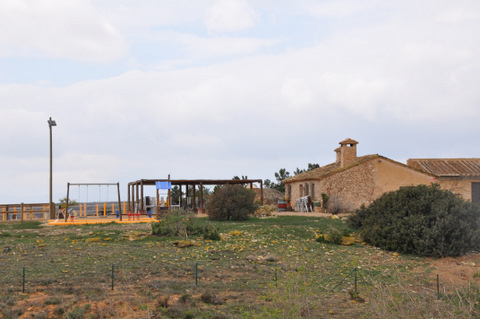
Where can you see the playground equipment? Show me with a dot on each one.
(96, 209)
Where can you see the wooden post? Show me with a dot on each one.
(22, 208)
(119, 202)
(201, 197)
(97, 210)
(31, 212)
(66, 206)
(194, 206)
(157, 205)
(104, 209)
(180, 192)
(128, 198)
(169, 199)
(136, 197)
(142, 207)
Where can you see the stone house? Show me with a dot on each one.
(354, 180)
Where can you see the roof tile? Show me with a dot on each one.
(447, 167)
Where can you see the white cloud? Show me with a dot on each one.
(230, 15)
(385, 82)
(58, 29)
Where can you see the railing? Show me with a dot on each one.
(24, 211)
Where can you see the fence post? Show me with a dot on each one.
(355, 273)
(196, 274)
(113, 274)
(23, 280)
(22, 207)
(438, 287)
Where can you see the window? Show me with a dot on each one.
(313, 190)
(476, 192)
(306, 189)
(289, 191)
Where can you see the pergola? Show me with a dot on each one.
(135, 189)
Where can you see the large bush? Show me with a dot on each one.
(231, 202)
(421, 220)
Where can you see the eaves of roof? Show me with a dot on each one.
(327, 170)
(334, 168)
(448, 167)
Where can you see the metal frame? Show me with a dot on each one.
(89, 184)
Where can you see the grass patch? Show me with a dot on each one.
(21, 225)
(259, 268)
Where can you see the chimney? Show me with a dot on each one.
(347, 152)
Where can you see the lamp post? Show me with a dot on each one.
(52, 207)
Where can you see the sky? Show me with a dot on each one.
(210, 89)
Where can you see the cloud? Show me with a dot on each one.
(230, 15)
(405, 82)
(58, 29)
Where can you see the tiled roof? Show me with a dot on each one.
(321, 172)
(447, 166)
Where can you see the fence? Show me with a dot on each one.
(33, 211)
(24, 211)
(125, 275)
(97, 209)
(100, 279)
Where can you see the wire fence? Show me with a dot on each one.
(206, 274)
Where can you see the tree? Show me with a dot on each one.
(175, 195)
(280, 176)
(231, 202)
(71, 202)
(268, 183)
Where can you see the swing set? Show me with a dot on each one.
(88, 208)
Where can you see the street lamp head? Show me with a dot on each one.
(52, 122)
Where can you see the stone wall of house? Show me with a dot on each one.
(347, 189)
(351, 188)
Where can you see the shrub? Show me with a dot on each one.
(231, 202)
(182, 223)
(176, 223)
(422, 220)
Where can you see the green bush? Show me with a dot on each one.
(231, 202)
(176, 223)
(422, 220)
(183, 223)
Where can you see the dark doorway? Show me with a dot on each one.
(476, 192)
